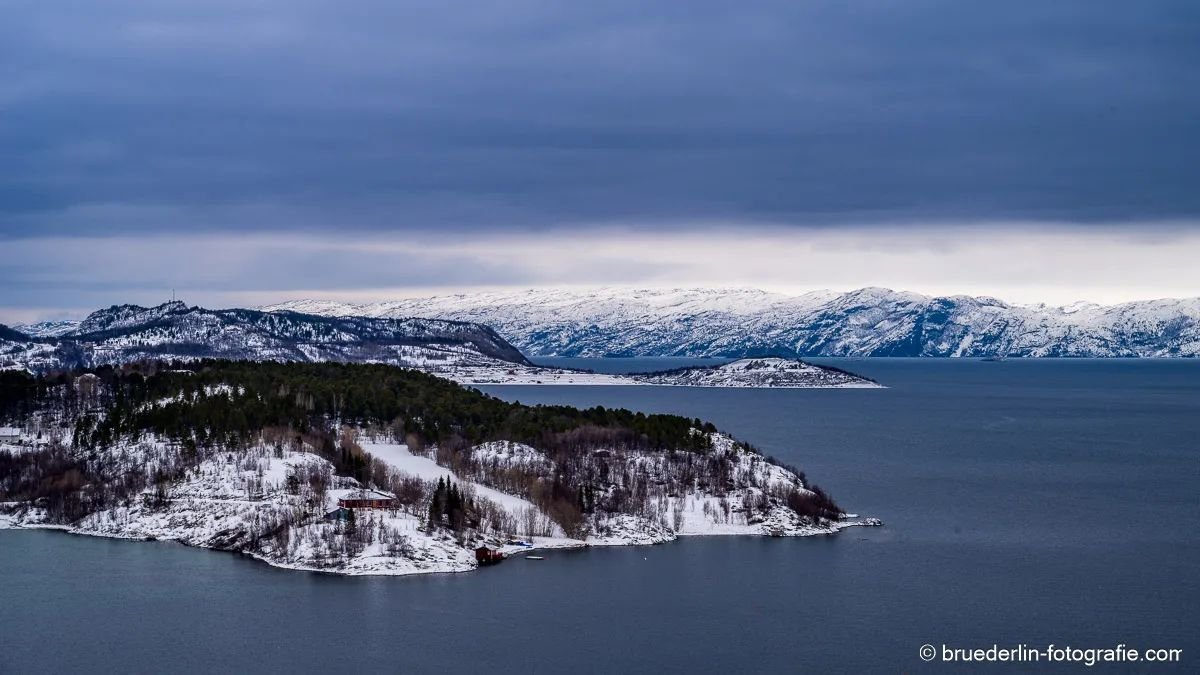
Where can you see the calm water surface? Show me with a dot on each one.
(1026, 502)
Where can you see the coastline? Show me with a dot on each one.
(7, 523)
(745, 373)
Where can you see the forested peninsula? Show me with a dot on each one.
(371, 469)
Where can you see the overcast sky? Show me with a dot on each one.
(248, 152)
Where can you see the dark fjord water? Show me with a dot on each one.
(1026, 502)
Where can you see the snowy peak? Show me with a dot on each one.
(1079, 306)
(740, 322)
(126, 316)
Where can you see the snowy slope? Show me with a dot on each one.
(126, 333)
(47, 328)
(240, 501)
(747, 322)
(234, 503)
(399, 457)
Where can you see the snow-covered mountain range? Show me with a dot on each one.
(465, 352)
(174, 330)
(748, 322)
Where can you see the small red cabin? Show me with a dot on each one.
(367, 499)
(487, 556)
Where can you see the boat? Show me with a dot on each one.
(534, 557)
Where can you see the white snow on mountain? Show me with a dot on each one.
(748, 322)
(467, 352)
(462, 351)
(47, 328)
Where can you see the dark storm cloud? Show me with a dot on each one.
(137, 116)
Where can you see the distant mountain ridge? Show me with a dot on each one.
(751, 323)
(124, 333)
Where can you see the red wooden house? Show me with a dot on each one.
(487, 556)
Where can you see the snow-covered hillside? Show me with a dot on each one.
(464, 352)
(369, 469)
(125, 333)
(747, 322)
(47, 329)
(271, 503)
(772, 373)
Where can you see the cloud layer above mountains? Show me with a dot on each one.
(237, 132)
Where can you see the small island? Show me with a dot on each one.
(772, 372)
(371, 469)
